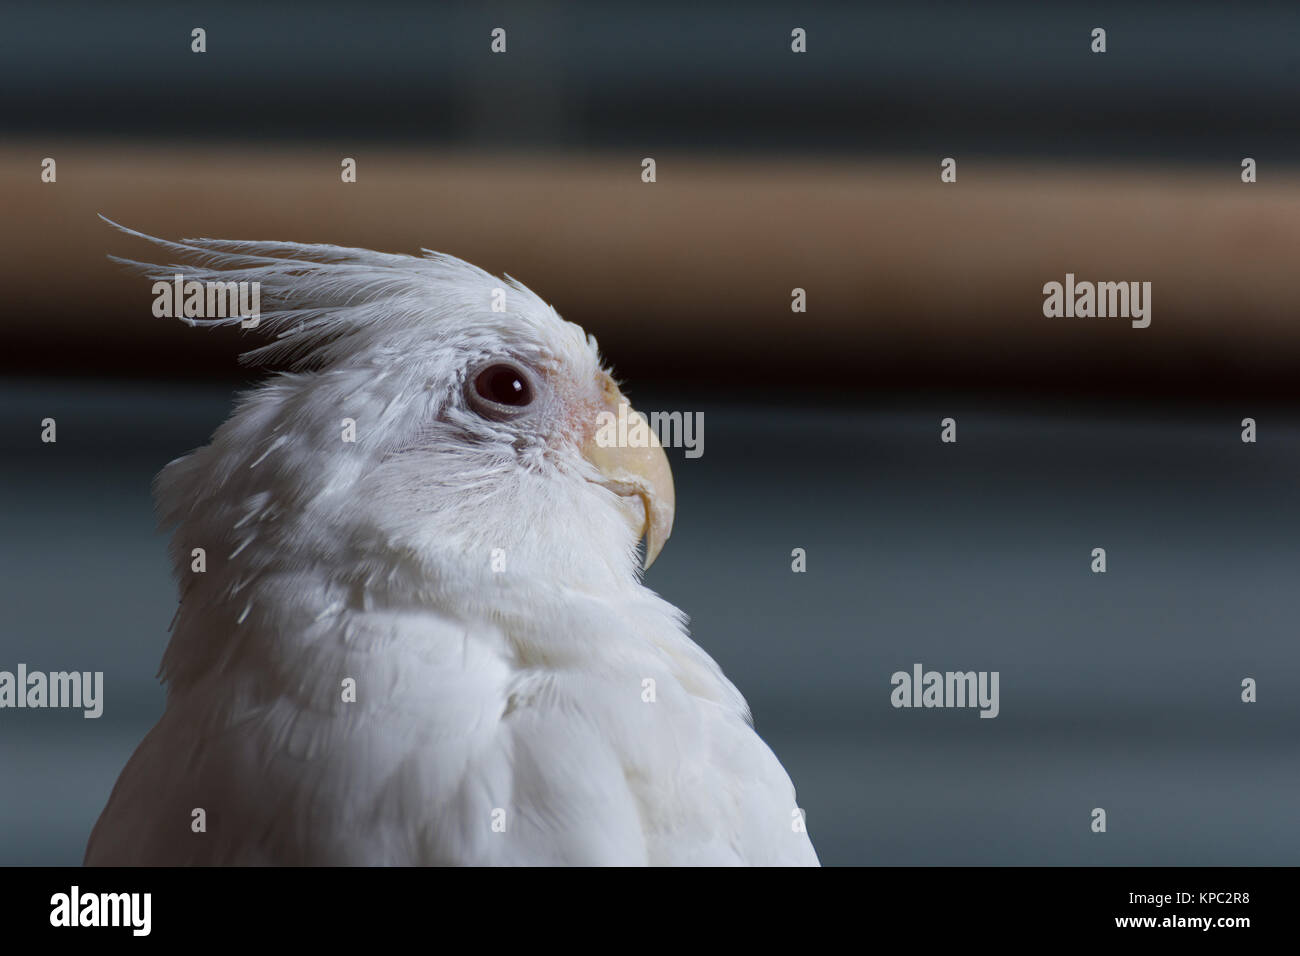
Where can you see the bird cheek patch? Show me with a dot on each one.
(576, 414)
(581, 422)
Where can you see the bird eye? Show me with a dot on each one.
(502, 388)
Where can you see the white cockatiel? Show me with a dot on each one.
(429, 644)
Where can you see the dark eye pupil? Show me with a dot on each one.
(503, 385)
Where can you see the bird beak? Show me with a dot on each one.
(635, 468)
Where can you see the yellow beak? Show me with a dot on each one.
(637, 468)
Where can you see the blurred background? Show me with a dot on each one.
(775, 170)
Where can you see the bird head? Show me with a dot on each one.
(433, 427)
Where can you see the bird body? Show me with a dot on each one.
(430, 644)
